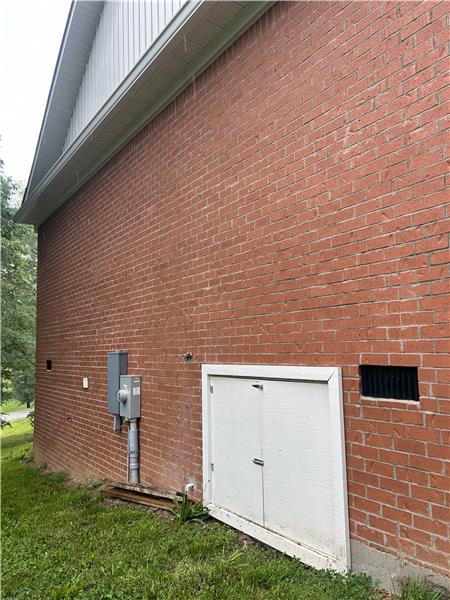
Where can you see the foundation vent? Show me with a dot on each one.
(398, 383)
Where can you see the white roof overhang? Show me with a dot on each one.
(169, 65)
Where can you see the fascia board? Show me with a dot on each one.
(189, 17)
(60, 68)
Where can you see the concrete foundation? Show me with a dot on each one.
(388, 570)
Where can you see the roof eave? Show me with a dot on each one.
(68, 173)
(76, 12)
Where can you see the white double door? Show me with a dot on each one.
(272, 452)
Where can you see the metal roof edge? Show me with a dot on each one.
(71, 17)
(31, 211)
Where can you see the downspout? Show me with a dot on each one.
(133, 451)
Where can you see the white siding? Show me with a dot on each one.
(125, 31)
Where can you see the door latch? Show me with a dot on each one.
(258, 461)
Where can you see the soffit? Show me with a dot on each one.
(196, 36)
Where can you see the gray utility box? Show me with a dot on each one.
(129, 396)
(117, 366)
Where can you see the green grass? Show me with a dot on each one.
(417, 589)
(67, 543)
(7, 408)
(15, 440)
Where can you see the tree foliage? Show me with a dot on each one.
(18, 300)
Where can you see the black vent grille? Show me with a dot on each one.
(399, 383)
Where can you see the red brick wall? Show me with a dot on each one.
(287, 208)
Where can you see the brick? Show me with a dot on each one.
(430, 525)
(369, 534)
(396, 458)
(426, 464)
(428, 494)
(442, 545)
(306, 227)
(424, 433)
(366, 505)
(412, 475)
(398, 516)
(438, 451)
(441, 513)
(436, 421)
(441, 482)
(415, 535)
(413, 505)
(432, 558)
(399, 487)
(401, 545)
(383, 524)
(411, 446)
(407, 416)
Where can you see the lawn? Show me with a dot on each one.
(7, 408)
(61, 542)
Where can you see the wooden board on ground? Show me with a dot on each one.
(138, 497)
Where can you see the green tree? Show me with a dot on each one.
(18, 297)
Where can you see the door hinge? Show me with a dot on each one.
(212, 466)
(211, 389)
(258, 461)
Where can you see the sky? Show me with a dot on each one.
(30, 35)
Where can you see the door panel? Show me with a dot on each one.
(299, 498)
(235, 441)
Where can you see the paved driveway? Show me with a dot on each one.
(20, 414)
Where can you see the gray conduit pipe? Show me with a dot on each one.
(133, 451)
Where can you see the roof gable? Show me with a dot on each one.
(75, 47)
(183, 46)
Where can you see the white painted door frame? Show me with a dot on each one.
(329, 375)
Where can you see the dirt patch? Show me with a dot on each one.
(245, 540)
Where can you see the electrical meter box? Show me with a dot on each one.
(129, 396)
(117, 366)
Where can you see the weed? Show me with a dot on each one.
(26, 455)
(185, 510)
(417, 589)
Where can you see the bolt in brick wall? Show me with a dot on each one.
(289, 207)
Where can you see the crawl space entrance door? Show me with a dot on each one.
(274, 458)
